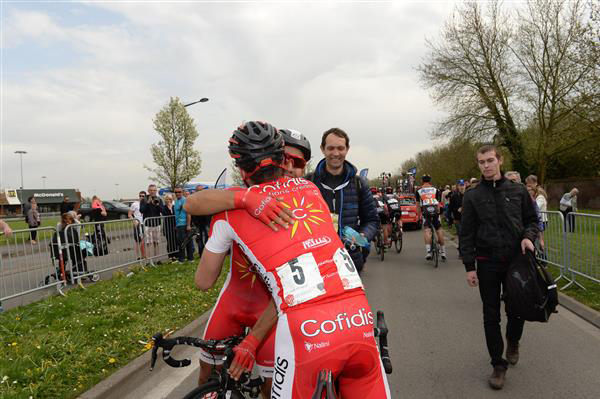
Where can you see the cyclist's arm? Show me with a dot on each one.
(267, 210)
(209, 269)
(261, 328)
(209, 202)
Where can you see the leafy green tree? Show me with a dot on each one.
(176, 161)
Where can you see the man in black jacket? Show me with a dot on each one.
(151, 210)
(455, 208)
(347, 195)
(498, 221)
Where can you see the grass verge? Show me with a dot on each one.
(62, 346)
(589, 297)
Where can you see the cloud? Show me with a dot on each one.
(87, 122)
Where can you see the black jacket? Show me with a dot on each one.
(456, 200)
(496, 216)
(151, 209)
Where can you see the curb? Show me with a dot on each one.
(585, 312)
(588, 314)
(109, 387)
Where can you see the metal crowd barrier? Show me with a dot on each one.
(160, 238)
(582, 233)
(80, 251)
(572, 245)
(26, 267)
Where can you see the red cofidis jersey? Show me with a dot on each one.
(304, 264)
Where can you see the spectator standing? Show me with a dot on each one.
(66, 206)
(455, 206)
(183, 225)
(138, 226)
(201, 223)
(99, 214)
(568, 203)
(151, 208)
(498, 221)
(513, 176)
(347, 194)
(33, 220)
(446, 201)
(169, 228)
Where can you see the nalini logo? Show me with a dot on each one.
(319, 345)
(316, 242)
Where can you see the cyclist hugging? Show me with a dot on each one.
(291, 279)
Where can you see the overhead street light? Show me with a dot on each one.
(202, 100)
(44, 182)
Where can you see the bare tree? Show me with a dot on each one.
(469, 72)
(554, 68)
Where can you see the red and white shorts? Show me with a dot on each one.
(336, 336)
(228, 319)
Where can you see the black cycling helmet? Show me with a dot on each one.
(295, 139)
(426, 179)
(256, 144)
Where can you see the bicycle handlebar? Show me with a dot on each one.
(168, 344)
(381, 331)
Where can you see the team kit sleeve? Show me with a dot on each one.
(221, 235)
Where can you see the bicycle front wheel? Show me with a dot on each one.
(210, 390)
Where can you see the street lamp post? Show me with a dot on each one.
(44, 182)
(117, 191)
(202, 100)
(21, 152)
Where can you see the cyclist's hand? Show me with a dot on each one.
(245, 355)
(526, 244)
(472, 279)
(268, 210)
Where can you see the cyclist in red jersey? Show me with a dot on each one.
(324, 320)
(243, 297)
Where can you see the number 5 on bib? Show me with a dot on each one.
(301, 280)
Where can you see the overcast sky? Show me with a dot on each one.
(81, 82)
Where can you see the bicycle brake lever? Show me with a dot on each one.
(156, 339)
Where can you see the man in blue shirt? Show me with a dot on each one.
(183, 225)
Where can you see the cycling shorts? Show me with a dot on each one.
(227, 319)
(336, 336)
(435, 220)
(384, 218)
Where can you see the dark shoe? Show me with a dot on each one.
(159, 263)
(512, 352)
(497, 378)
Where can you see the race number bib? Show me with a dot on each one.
(346, 269)
(301, 280)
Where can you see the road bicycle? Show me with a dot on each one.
(396, 236)
(380, 244)
(430, 213)
(222, 386)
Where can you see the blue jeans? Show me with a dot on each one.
(189, 248)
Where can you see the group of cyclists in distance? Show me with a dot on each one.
(292, 290)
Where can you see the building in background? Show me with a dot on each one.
(48, 200)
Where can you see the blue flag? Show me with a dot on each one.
(364, 172)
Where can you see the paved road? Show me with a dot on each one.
(436, 339)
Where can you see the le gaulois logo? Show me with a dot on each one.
(316, 242)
